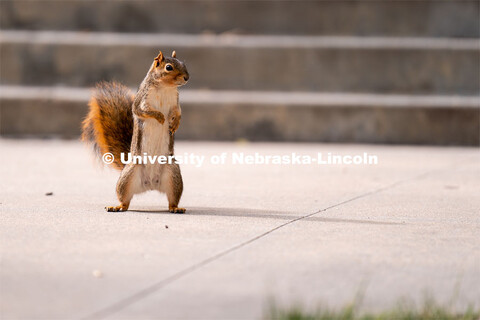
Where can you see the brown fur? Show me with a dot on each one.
(109, 123)
(175, 189)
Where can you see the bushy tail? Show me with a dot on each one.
(109, 123)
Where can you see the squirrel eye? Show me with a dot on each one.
(168, 67)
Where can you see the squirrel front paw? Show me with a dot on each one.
(174, 123)
(160, 117)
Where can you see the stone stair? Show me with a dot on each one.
(336, 71)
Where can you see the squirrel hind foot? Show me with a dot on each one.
(176, 210)
(119, 208)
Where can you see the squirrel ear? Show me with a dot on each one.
(159, 59)
(174, 54)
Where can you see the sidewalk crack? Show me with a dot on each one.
(119, 305)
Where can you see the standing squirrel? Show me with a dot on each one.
(120, 122)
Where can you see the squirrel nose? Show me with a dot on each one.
(186, 77)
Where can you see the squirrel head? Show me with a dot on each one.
(169, 71)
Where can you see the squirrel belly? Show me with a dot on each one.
(156, 139)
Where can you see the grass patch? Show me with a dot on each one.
(429, 311)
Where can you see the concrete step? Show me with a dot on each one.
(266, 116)
(431, 18)
(231, 62)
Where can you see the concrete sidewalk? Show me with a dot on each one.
(306, 234)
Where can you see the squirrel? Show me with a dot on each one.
(120, 122)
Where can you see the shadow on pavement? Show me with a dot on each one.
(265, 214)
